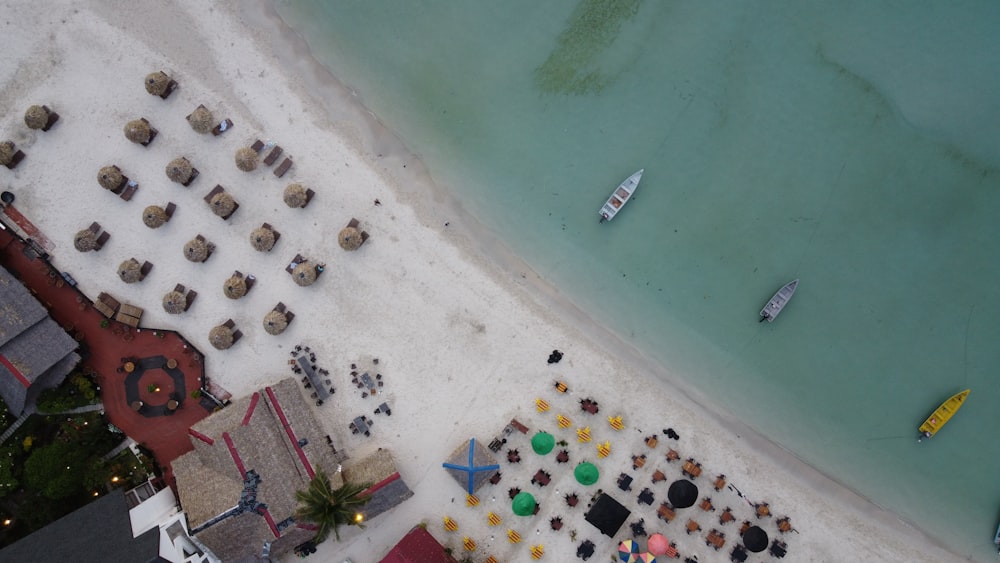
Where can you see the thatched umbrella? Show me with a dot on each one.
(246, 159)
(130, 271)
(157, 83)
(305, 273)
(221, 337)
(110, 177)
(201, 120)
(235, 287)
(196, 250)
(262, 239)
(179, 170)
(154, 216)
(223, 204)
(350, 238)
(138, 131)
(7, 152)
(295, 195)
(174, 303)
(37, 117)
(85, 240)
(275, 322)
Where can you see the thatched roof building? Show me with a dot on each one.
(238, 485)
(38, 352)
(386, 488)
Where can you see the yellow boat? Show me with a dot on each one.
(942, 415)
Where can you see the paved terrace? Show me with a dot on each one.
(163, 431)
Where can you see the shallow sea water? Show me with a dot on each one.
(851, 145)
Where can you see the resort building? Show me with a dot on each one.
(35, 352)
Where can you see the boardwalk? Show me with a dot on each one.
(157, 428)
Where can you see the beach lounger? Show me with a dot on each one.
(145, 269)
(236, 336)
(16, 159)
(169, 210)
(53, 117)
(229, 323)
(273, 155)
(194, 174)
(101, 240)
(129, 191)
(94, 227)
(180, 288)
(189, 298)
(309, 196)
(221, 128)
(152, 132)
(257, 145)
(289, 316)
(281, 169)
(295, 262)
(218, 189)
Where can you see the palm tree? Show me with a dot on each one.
(329, 508)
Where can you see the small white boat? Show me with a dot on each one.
(778, 302)
(996, 539)
(620, 196)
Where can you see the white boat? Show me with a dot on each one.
(778, 302)
(996, 539)
(620, 196)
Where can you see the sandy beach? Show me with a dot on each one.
(461, 328)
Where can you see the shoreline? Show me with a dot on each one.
(548, 302)
(828, 513)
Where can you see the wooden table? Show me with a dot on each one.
(171, 363)
(715, 539)
(129, 367)
(136, 405)
(172, 404)
(691, 469)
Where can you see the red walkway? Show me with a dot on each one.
(165, 436)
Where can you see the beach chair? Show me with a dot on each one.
(273, 155)
(309, 196)
(277, 235)
(229, 323)
(257, 145)
(289, 316)
(189, 298)
(145, 269)
(221, 128)
(283, 167)
(280, 307)
(94, 227)
(169, 210)
(218, 189)
(236, 336)
(180, 288)
(194, 174)
(129, 191)
(295, 262)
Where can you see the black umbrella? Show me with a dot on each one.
(607, 515)
(682, 493)
(755, 538)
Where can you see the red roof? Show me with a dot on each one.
(418, 546)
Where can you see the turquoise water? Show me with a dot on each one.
(853, 147)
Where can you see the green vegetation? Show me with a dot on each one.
(77, 391)
(330, 508)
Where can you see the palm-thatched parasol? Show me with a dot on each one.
(221, 337)
(37, 117)
(7, 152)
(110, 177)
(174, 303)
(246, 159)
(295, 195)
(85, 240)
(138, 131)
(275, 322)
(235, 287)
(157, 83)
(154, 216)
(130, 271)
(179, 170)
(262, 239)
(196, 250)
(223, 204)
(201, 120)
(350, 238)
(305, 273)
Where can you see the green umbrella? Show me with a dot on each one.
(524, 504)
(542, 443)
(586, 473)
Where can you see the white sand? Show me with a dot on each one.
(462, 328)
